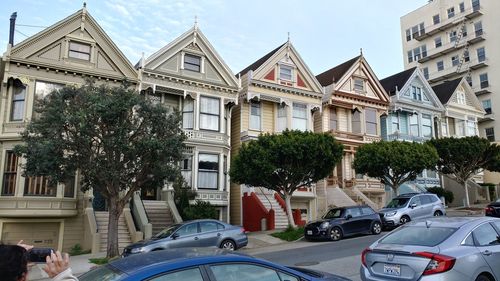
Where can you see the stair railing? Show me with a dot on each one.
(262, 192)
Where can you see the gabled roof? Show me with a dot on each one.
(445, 90)
(260, 61)
(396, 81)
(334, 74)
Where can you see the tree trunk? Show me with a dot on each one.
(115, 209)
(467, 203)
(289, 213)
(395, 189)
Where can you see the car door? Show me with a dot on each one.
(427, 208)
(366, 219)
(352, 223)
(209, 234)
(415, 208)
(186, 236)
(486, 239)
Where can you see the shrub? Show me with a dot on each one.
(200, 210)
(290, 234)
(77, 250)
(182, 195)
(440, 192)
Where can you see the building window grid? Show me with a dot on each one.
(483, 80)
(490, 133)
(436, 19)
(209, 113)
(451, 12)
(481, 54)
(18, 101)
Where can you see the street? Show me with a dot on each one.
(341, 257)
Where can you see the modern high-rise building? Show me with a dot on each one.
(449, 39)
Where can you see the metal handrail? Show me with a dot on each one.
(262, 192)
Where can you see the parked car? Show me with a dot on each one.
(200, 264)
(196, 233)
(411, 206)
(345, 221)
(436, 249)
(493, 209)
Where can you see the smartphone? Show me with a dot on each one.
(39, 255)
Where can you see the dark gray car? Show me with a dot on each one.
(465, 249)
(196, 233)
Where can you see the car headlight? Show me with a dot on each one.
(324, 224)
(136, 250)
(390, 214)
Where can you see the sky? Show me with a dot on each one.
(324, 32)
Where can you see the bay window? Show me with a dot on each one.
(299, 120)
(39, 186)
(208, 171)
(188, 113)
(282, 118)
(426, 126)
(18, 101)
(414, 131)
(186, 168)
(255, 115)
(471, 126)
(356, 121)
(333, 119)
(209, 113)
(371, 121)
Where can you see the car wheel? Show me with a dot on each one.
(376, 228)
(228, 245)
(438, 213)
(335, 234)
(404, 219)
(483, 278)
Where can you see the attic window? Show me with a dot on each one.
(192, 63)
(460, 97)
(359, 85)
(79, 51)
(285, 73)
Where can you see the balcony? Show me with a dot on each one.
(427, 181)
(304, 192)
(207, 137)
(446, 74)
(489, 116)
(406, 137)
(215, 197)
(485, 88)
(11, 206)
(476, 64)
(448, 23)
(357, 137)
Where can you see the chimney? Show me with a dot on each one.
(12, 28)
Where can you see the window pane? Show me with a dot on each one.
(421, 236)
(209, 122)
(247, 272)
(299, 121)
(187, 120)
(207, 226)
(209, 105)
(188, 105)
(193, 274)
(285, 73)
(356, 122)
(371, 121)
(42, 89)
(10, 173)
(192, 63)
(188, 229)
(79, 51)
(333, 119)
(255, 115)
(358, 84)
(39, 186)
(486, 235)
(208, 171)
(282, 118)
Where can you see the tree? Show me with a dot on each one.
(285, 162)
(395, 162)
(117, 139)
(465, 157)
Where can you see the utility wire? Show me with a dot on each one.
(28, 25)
(21, 33)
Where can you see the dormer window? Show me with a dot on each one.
(417, 93)
(79, 51)
(192, 63)
(285, 73)
(359, 85)
(461, 98)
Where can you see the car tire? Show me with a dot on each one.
(228, 245)
(376, 228)
(438, 213)
(404, 219)
(335, 233)
(483, 277)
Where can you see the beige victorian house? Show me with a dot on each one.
(353, 104)
(65, 53)
(278, 92)
(190, 76)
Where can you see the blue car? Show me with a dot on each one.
(200, 264)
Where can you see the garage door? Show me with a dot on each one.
(36, 234)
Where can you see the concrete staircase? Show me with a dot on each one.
(268, 200)
(360, 198)
(124, 239)
(159, 214)
(338, 198)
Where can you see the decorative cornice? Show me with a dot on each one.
(285, 89)
(360, 98)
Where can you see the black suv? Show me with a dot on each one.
(344, 221)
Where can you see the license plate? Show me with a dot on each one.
(309, 232)
(392, 269)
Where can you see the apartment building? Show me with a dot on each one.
(451, 39)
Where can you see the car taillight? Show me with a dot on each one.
(363, 256)
(438, 263)
(243, 230)
(488, 210)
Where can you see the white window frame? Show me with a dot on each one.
(188, 112)
(192, 66)
(281, 117)
(358, 85)
(371, 122)
(300, 114)
(210, 114)
(216, 171)
(255, 120)
(461, 98)
(75, 53)
(285, 76)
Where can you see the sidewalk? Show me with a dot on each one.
(474, 210)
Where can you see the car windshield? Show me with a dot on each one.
(166, 232)
(103, 273)
(333, 214)
(419, 236)
(397, 202)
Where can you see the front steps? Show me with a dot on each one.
(124, 238)
(268, 200)
(159, 214)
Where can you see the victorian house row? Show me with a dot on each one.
(220, 111)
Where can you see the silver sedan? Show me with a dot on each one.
(436, 249)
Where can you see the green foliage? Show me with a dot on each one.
(440, 192)
(117, 139)
(394, 162)
(77, 250)
(200, 210)
(290, 234)
(99, 261)
(182, 195)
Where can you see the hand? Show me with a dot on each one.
(55, 264)
(25, 246)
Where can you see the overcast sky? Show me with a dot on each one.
(325, 32)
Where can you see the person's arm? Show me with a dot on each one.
(57, 267)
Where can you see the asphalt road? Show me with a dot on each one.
(340, 258)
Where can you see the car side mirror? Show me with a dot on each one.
(348, 217)
(413, 205)
(175, 235)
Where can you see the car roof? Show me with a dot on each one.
(201, 220)
(453, 222)
(407, 195)
(173, 258)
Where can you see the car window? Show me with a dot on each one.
(220, 226)
(354, 212)
(469, 241)
(167, 231)
(367, 211)
(192, 274)
(485, 235)
(103, 273)
(434, 198)
(207, 226)
(333, 214)
(188, 229)
(425, 199)
(497, 224)
(415, 200)
(418, 235)
(397, 203)
(247, 272)
(287, 277)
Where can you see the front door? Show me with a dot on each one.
(149, 193)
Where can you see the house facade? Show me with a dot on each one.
(415, 114)
(278, 92)
(189, 75)
(353, 105)
(65, 53)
